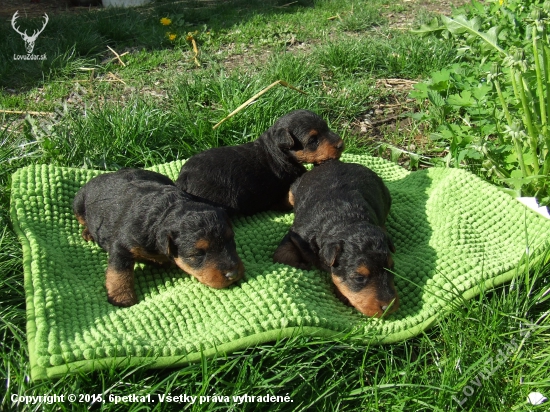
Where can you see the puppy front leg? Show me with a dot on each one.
(286, 203)
(119, 278)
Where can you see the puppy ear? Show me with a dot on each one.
(166, 245)
(391, 246)
(281, 138)
(330, 252)
(389, 263)
(389, 242)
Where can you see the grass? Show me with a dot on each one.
(162, 108)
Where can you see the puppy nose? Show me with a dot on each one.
(391, 307)
(232, 275)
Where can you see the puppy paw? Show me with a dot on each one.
(287, 254)
(123, 299)
(87, 236)
(303, 266)
(120, 287)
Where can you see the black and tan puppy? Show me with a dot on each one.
(340, 210)
(141, 215)
(256, 176)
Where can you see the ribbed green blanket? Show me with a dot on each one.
(454, 234)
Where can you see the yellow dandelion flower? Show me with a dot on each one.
(171, 36)
(165, 21)
(501, 2)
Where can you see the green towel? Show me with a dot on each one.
(454, 234)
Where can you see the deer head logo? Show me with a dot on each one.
(29, 40)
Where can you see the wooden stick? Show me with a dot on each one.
(397, 81)
(195, 48)
(120, 55)
(286, 5)
(242, 106)
(386, 120)
(117, 56)
(26, 112)
(116, 78)
(196, 51)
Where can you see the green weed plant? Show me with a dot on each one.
(490, 110)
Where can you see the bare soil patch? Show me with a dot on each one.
(403, 19)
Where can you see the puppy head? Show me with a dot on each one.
(202, 243)
(359, 266)
(306, 137)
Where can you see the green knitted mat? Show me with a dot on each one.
(454, 234)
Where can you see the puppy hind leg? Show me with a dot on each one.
(79, 211)
(288, 254)
(285, 204)
(86, 235)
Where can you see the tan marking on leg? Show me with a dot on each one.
(291, 198)
(282, 205)
(86, 235)
(120, 287)
(80, 219)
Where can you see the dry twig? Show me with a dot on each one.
(286, 5)
(335, 17)
(242, 106)
(195, 48)
(26, 112)
(115, 78)
(117, 56)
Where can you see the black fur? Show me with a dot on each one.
(141, 215)
(340, 211)
(256, 176)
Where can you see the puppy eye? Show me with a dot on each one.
(198, 255)
(313, 141)
(360, 280)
